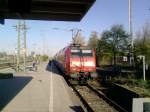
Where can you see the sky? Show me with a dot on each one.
(43, 39)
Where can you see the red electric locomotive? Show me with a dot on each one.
(78, 62)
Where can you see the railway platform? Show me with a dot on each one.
(41, 91)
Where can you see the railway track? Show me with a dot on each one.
(10, 65)
(95, 101)
(108, 100)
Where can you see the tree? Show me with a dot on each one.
(117, 40)
(45, 58)
(101, 50)
(2, 54)
(142, 42)
(93, 40)
(79, 39)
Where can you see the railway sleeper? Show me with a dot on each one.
(94, 101)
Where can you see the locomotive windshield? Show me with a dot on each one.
(75, 53)
(81, 53)
(87, 53)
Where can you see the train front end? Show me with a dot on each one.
(82, 63)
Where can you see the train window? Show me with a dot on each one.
(75, 53)
(87, 53)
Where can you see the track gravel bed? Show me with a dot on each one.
(94, 101)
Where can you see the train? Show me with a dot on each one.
(77, 62)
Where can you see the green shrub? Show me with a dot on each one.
(45, 58)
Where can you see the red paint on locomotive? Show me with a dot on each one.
(77, 61)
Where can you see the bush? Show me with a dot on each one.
(45, 58)
(141, 83)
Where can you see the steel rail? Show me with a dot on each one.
(108, 100)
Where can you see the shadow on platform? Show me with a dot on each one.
(9, 88)
(77, 108)
(54, 66)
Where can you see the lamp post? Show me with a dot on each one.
(131, 31)
(18, 49)
(25, 45)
